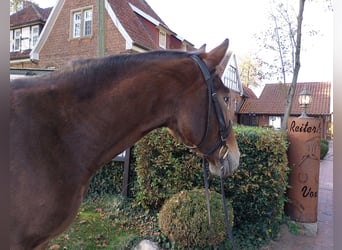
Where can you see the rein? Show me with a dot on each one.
(224, 133)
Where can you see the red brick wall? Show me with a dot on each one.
(115, 42)
(175, 43)
(234, 96)
(263, 120)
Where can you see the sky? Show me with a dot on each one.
(210, 22)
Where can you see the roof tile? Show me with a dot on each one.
(31, 13)
(131, 22)
(273, 98)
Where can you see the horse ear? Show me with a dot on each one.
(215, 56)
(199, 51)
(202, 48)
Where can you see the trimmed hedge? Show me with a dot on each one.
(257, 189)
(164, 167)
(258, 186)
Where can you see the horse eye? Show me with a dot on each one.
(226, 99)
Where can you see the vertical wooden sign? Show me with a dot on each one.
(304, 135)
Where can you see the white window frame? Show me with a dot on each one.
(25, 38)
(82, 23)
(87, 22)
(76, 24)
(17, 40)
(162, 39)
(274, 121)
(34, 35)
(230, 78)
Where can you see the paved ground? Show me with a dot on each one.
(324, 238)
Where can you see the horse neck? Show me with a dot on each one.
(114, 117)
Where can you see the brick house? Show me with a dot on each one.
(26, 26)
(93, 28)
(268, 109)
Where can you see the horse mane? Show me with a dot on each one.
(81, 74)
(120, 63)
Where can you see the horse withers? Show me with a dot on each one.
(67, 124)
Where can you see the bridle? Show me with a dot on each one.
(224, 151)
(212, 99)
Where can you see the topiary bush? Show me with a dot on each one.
(163, 167)
(184, 218)
(324, 148)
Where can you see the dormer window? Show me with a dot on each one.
(184, 47)
(162, 39)
(24, 38)
(82, 23)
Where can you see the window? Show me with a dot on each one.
(162, 39)
(275, 121)
(34, 35)
(77, 25)
(82, 23)
(230, 80)
(184, 47)
(88, 16)
(25, 38)
(17, 40)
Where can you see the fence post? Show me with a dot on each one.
(125, 158)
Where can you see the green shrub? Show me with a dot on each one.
(184, 218)
(163, 167)
(106, 181)
(324, 148)
(257, 188)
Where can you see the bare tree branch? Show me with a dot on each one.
(293, 85)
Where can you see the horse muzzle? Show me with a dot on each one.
(228, 162)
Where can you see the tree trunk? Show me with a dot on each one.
(293, 85)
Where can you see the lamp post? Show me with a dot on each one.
(305, 100)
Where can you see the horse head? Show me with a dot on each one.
(205, 119)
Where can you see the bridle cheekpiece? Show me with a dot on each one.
(212, 99)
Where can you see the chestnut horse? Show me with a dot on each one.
(67, 124)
